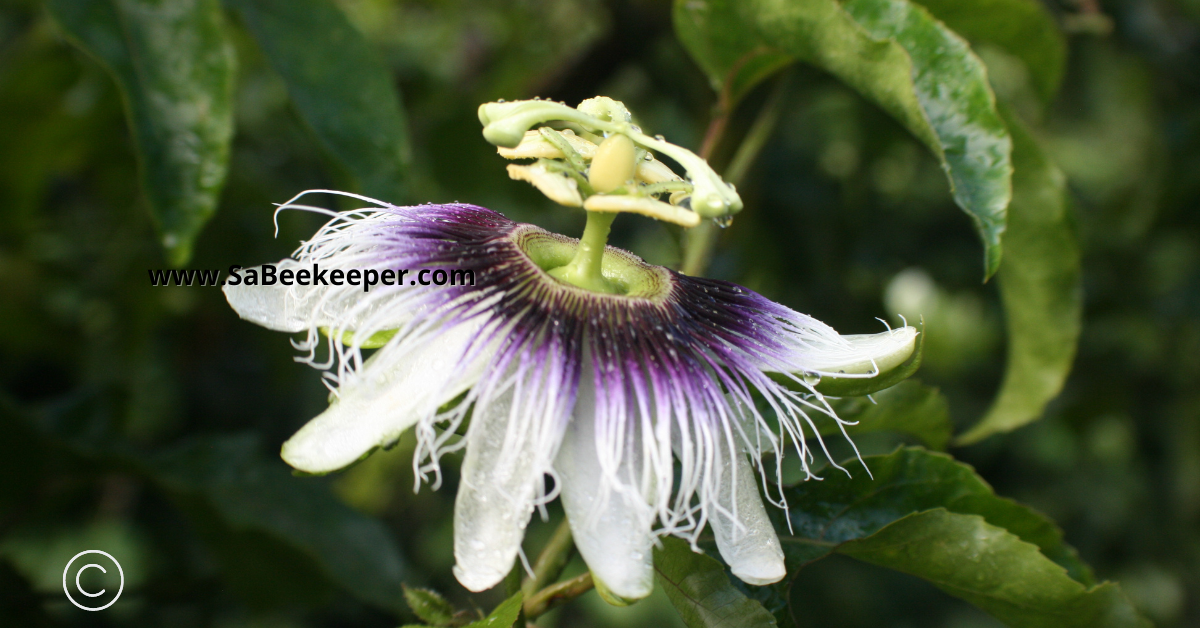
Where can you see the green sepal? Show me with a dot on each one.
(375, 341)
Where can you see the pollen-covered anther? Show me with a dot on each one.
(534, 146)
(654, 171)
(557, 186)
(643, 205)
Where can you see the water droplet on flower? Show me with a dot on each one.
(660, 138)
(723, 221)
(501, 100)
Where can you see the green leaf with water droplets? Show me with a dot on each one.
(1041, 287)
(908, 408)
(429, 605)
(1023, 28)
(174, 65)
(503, 616)
(928, 515)
(701, 591)
(893, 53)
(339, 86)
(993, 569)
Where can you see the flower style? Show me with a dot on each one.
(639, 391)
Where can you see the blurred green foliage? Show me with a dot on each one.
(147, 419)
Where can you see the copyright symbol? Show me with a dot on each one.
(90, 594)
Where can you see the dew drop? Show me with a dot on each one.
(723, 221)
(660, 138)
(501, 100)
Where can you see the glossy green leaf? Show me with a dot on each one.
(839, 508)
(994, 569)
(1022, 28)
(892, 52)
(248, 494)
(503, 616)
(925, 514)
(174, 65)
(1041, 288)
(340, 87)
(430, 606)
(701, 591)
(908, 408)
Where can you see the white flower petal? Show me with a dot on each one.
(748, 543)
(495, 496)
(556, 186)
(612, 527)
(297, 308)
(643, 205)
(396, 387)
(858, 355)
(278, 307)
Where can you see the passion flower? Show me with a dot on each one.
(576, 370)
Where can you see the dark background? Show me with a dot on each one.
(124, 407)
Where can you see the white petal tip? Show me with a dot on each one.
(624, 593)
(268, 306)
(767, 571)
(869, 353)
(311, 456)
(475, 581)
(343, 434)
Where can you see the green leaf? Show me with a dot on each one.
(286, 538)
(700, 590)
(993, 569)
(928, 515)
(908, 408)
(840, 508)
(892, 52)
(174, 65)
(1023, 28)
(430, 606)
(503, 616)
(248, 494)
(340, 87)
(1041, 288)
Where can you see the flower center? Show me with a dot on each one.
(623, 274)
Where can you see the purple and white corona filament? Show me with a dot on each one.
(643, 406)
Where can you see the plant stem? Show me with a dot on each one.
(556, 594)
(584, 269)
(698, 246)
(551, 561)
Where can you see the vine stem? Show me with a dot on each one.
(557, 593)
(551, 561)
(698, 245)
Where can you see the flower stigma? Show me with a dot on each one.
(595, 157)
